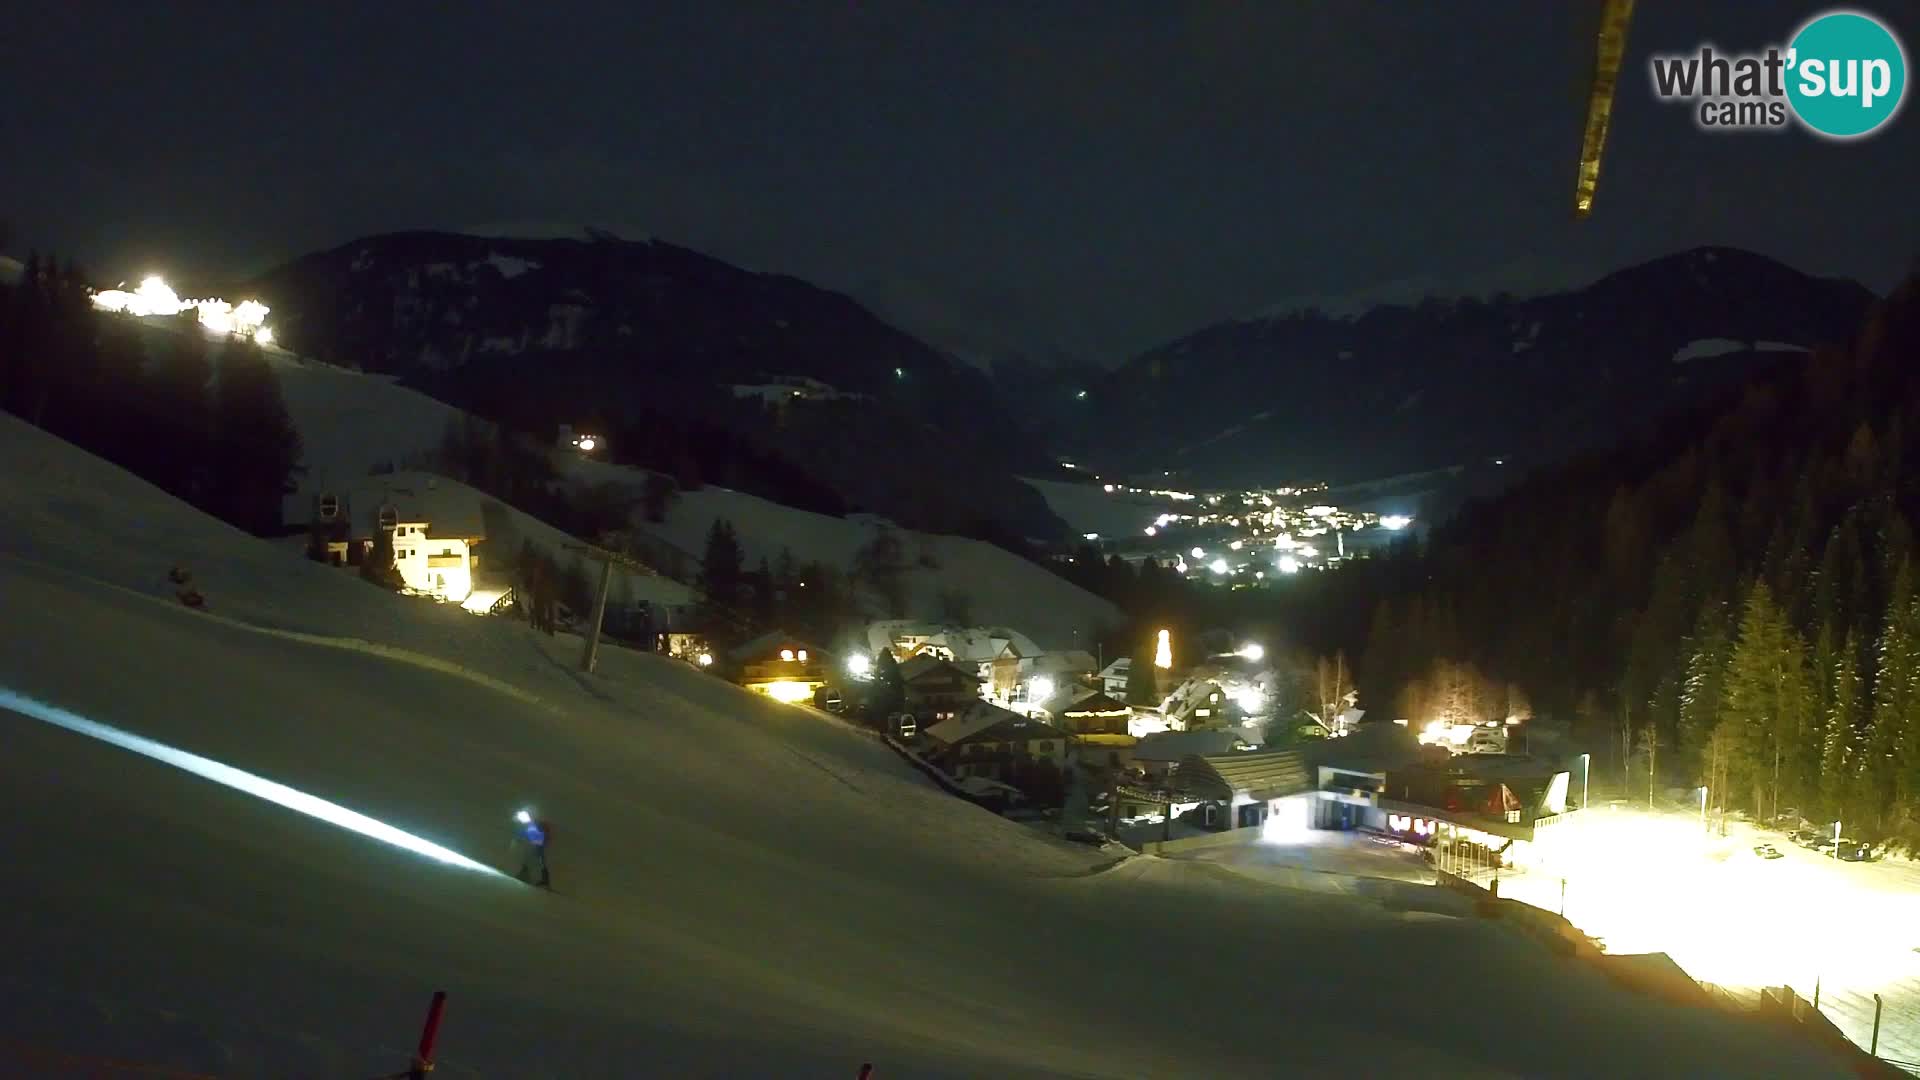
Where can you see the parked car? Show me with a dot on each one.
(1809, 837)
(1768, 851)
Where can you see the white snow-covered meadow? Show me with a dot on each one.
(748, 889)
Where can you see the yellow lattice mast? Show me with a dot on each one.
(1614, 17)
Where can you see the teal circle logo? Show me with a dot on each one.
(1847, 74)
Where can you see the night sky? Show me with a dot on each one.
(1097, 177)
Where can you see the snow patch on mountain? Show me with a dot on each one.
(1707, 349)
(509, 266)
(1521, 279)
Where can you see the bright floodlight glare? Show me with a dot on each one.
(523, 817)
(789, 691)
(1040, 689)
(1218, 566)
(1199, 553)
(239, 780)
(859, 664)
(1252, 650)
(1289, 565)
(705, 659)
(1395, 521)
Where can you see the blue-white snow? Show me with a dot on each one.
(750, 889)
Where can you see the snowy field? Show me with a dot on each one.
(1087, 508)
(351, 421)
(747, 890)
(1001, 589)
(1658, 881)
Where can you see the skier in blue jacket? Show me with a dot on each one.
(534, 834)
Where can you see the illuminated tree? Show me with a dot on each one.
(1892, 745)
(1837, 756)
(1765, 708)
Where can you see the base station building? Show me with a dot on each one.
(1474, 812)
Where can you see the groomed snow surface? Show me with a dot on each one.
(748, 889)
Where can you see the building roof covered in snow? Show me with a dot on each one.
(919, 667)
(449, 511)
(769, 644)
(1258, 774)
(983, 720)
(968, 644)
(1095, 703)
(1178, 745)
(1066, 662)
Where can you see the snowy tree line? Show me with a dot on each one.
(1729, 602)
(202, 419)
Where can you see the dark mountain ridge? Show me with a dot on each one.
(1398, 389)
(617, 333)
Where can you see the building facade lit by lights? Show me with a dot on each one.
(781, 666)
(435, 530)
(1475, 815)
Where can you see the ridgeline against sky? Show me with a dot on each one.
(992, 183)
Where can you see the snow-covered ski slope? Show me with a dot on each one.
(351, 421)
(752, 889)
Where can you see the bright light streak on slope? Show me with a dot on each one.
(238, 779)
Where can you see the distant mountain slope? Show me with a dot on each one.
(352, 423)
(546, 331)
(1404, 388)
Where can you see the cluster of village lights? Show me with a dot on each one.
(155, 298)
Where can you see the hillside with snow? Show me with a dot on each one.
(539, 332)
(746, 888)
(352, 422)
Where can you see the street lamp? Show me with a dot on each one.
(1586, 762)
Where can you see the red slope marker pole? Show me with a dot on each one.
(423, 1061)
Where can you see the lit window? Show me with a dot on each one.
(803, 656)
(786, 654)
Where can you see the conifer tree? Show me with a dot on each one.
(1837, 756)
(256, 447)
(1892, 745)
